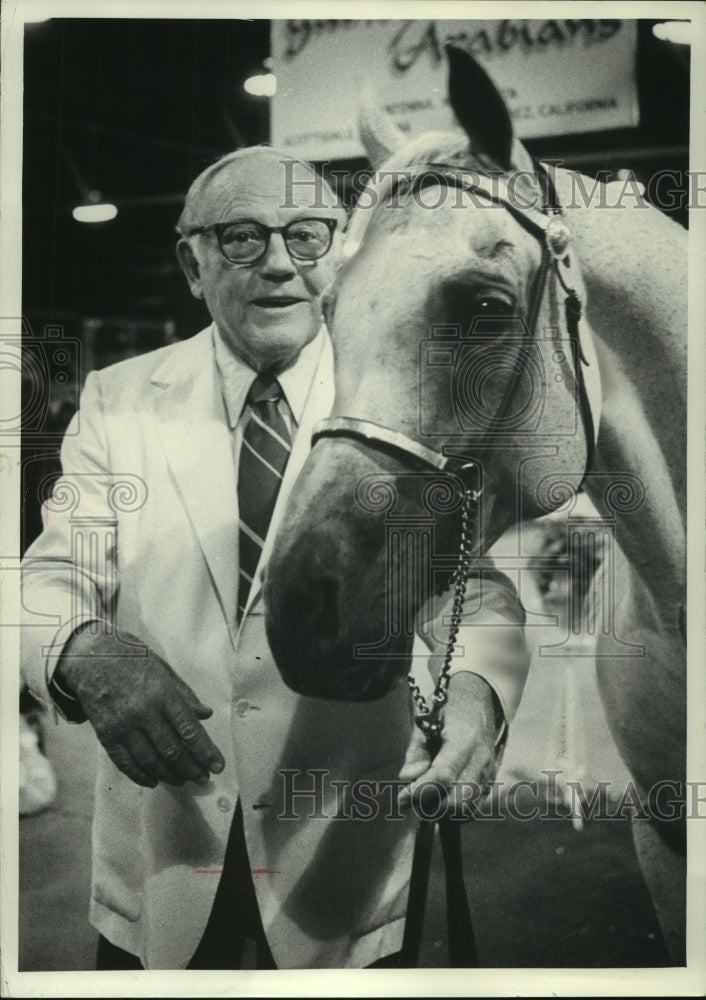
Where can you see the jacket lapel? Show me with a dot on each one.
(318, 405)
(192, 425)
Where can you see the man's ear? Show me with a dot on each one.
(190, 267)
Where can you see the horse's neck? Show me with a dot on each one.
(634, 266)
(630, 482)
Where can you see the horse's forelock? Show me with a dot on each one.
(431, 147)
(448, 148)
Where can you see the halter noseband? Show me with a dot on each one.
(555, 238)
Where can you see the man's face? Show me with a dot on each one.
(266, 311)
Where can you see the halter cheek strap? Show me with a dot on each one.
(556, 246)
(555, 237)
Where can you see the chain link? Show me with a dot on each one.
(429, 718)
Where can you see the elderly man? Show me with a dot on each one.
(212, 823)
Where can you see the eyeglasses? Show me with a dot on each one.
(245, 242)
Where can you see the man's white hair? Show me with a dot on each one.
(189, 215)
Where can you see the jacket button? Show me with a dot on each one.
(224, 804)
(242, 707)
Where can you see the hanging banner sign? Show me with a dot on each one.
(557, 76)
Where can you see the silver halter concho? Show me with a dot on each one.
(554, 235)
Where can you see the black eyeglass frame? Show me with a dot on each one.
(219, 227)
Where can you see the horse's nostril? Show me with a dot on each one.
(321, 596)
(303, 630)
(305, 608)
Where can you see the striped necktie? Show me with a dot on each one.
(263, 458)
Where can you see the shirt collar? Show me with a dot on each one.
(236, 377)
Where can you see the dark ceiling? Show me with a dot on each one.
(136, 108)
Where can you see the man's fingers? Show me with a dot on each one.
(416, 763)
(195, 739)
(174, 762)
(122, 758)
(201, 710)
(436, 780)
(189, 695)
(147, 757)
(417, 758)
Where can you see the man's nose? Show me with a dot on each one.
(277, 263)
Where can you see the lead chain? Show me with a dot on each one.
(428, 719)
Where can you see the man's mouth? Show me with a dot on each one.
(277, 301)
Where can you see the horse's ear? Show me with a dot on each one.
(479, 109)
(378, 132)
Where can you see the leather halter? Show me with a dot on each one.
(554, 237)
(386, 439)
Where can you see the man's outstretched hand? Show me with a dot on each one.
(147, 718)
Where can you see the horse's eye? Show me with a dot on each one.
(493, 306)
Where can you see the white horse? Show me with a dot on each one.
(457, 255)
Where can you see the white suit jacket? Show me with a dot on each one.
(142, 529)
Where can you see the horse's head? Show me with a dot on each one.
(449, 325)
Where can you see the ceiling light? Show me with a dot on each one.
(262, 85)
(678, 32)
(102, 212)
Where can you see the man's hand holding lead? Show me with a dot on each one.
(468, 747)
